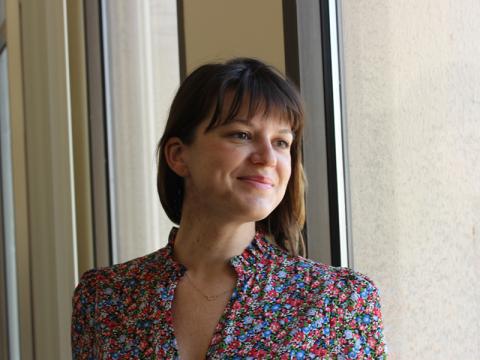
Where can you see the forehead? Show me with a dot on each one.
(274, 121)
(233, 108)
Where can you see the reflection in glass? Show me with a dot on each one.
(142, 74)
(8, 213)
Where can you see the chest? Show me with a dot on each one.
(195, 320)
(254, 322)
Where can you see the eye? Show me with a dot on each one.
(241, 135)
(282, 144)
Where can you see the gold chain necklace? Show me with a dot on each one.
(207, 297)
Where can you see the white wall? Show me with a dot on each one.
(413, 106)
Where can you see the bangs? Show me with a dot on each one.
(264, 94)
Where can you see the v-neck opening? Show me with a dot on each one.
(243, 265)
(222, 321)
(217, 335)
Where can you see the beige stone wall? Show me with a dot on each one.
(413, 106)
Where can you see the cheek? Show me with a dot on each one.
(285, 167)
(226, 157)
(219, 159)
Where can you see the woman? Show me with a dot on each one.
(231, 282)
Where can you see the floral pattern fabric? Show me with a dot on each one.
(283, 307)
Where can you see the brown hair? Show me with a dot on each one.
(202, 94)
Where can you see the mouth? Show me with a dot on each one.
(260, 182)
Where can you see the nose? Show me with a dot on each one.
(264, 154)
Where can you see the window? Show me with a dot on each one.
(141, 74)
(8, 283)
(145, 46)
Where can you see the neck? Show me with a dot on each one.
(205, 246)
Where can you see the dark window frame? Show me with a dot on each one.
(97, 134)
(310, 55)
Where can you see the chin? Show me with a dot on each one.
(258, 214)
(261, 217)
(254, 209)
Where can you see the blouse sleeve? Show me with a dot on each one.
(83, 317)
(374, 333)
(363, 331)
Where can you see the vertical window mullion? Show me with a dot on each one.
(313, 62)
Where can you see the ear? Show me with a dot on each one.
(175, 152)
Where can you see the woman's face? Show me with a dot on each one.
(240, 170)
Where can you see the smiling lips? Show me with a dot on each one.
(260, 182)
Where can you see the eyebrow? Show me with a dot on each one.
(248, 122)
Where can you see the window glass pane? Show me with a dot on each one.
(217, 30)
(142, 74)
(7, 211)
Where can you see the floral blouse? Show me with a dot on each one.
(283, 307)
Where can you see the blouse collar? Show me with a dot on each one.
(252, 257)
